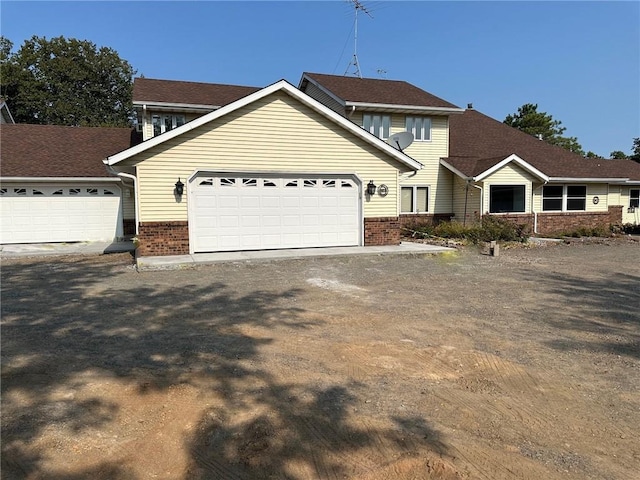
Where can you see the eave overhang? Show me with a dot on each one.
(285, 86)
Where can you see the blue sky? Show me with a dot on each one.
(578, 60)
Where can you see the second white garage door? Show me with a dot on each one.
(246, 212)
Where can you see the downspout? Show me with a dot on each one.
(353, 110)
(481, 197)
(135, 192)
(533, 210)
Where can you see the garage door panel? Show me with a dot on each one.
(58, 213)
(250, 213)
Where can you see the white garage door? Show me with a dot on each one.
(59, 213)
(245, 212)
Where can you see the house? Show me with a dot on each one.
(54, 187)
(224, 167)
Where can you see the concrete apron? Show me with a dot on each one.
(64, 248)
(179, 261)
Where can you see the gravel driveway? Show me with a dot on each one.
(449, 366)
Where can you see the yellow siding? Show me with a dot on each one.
(607, 195)
(472, 194)
(510, 174)
(274, 134)
(429, 154)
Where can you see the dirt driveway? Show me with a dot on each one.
(449, 366)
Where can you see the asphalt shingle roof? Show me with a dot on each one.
(193, 93)
(58, 151)
(477, 142)
(374, 90)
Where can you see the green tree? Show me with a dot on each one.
(591, 154)
(543, 126)
(618, 154)
(635, 155)
(66, 82)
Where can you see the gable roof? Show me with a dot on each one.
(172, 92)
(53, 151)
(478, 142)
(376, 93)
(283, 86)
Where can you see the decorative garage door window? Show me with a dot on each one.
(245, 212)
(55, 191)
(55, 212)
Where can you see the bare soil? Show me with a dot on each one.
(452, 366)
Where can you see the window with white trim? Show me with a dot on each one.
(414, 199)
(379, 125)
(420, 127)
(564, 198)
(506, 198)
(164, 123)
(634, 198)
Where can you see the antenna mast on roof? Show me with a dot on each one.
(357, 5)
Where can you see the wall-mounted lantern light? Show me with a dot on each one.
(179, 187)
(371, 188)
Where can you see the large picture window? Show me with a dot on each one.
(379, 125)
(560, 198)
(414, 199)
(506, 199)
(420, 127)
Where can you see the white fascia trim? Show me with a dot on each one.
(61, 179)
(587, 180)
(454, 170)
(169, 106)
(5, 108)
(328, 92)
(416, 108)
(253, 97)
(512, 158)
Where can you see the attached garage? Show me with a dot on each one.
(60, 213)
(257, 211)
(55, 188)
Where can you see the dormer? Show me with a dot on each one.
(162, 105)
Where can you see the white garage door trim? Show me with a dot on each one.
(279, 210)
(60, 212)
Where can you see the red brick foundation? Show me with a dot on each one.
(565, 222)
(382, 231)
(163, 238)
(557, 223)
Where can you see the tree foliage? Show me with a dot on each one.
(635, 155)
(618, 155)
(543, 126)
(66, 82)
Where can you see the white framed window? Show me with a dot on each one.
(420, 127)
(564, 198)
(164, 123)
(506, 198)
(414, 199)
(379, 125)
(634, 198)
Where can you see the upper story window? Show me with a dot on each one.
(379, 125)
(561, 198)
(420, 127)
(164, 123)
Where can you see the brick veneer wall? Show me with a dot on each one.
(382, 231)
(555, 223)
(163, 238)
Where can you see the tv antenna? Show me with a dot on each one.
(357, 5)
